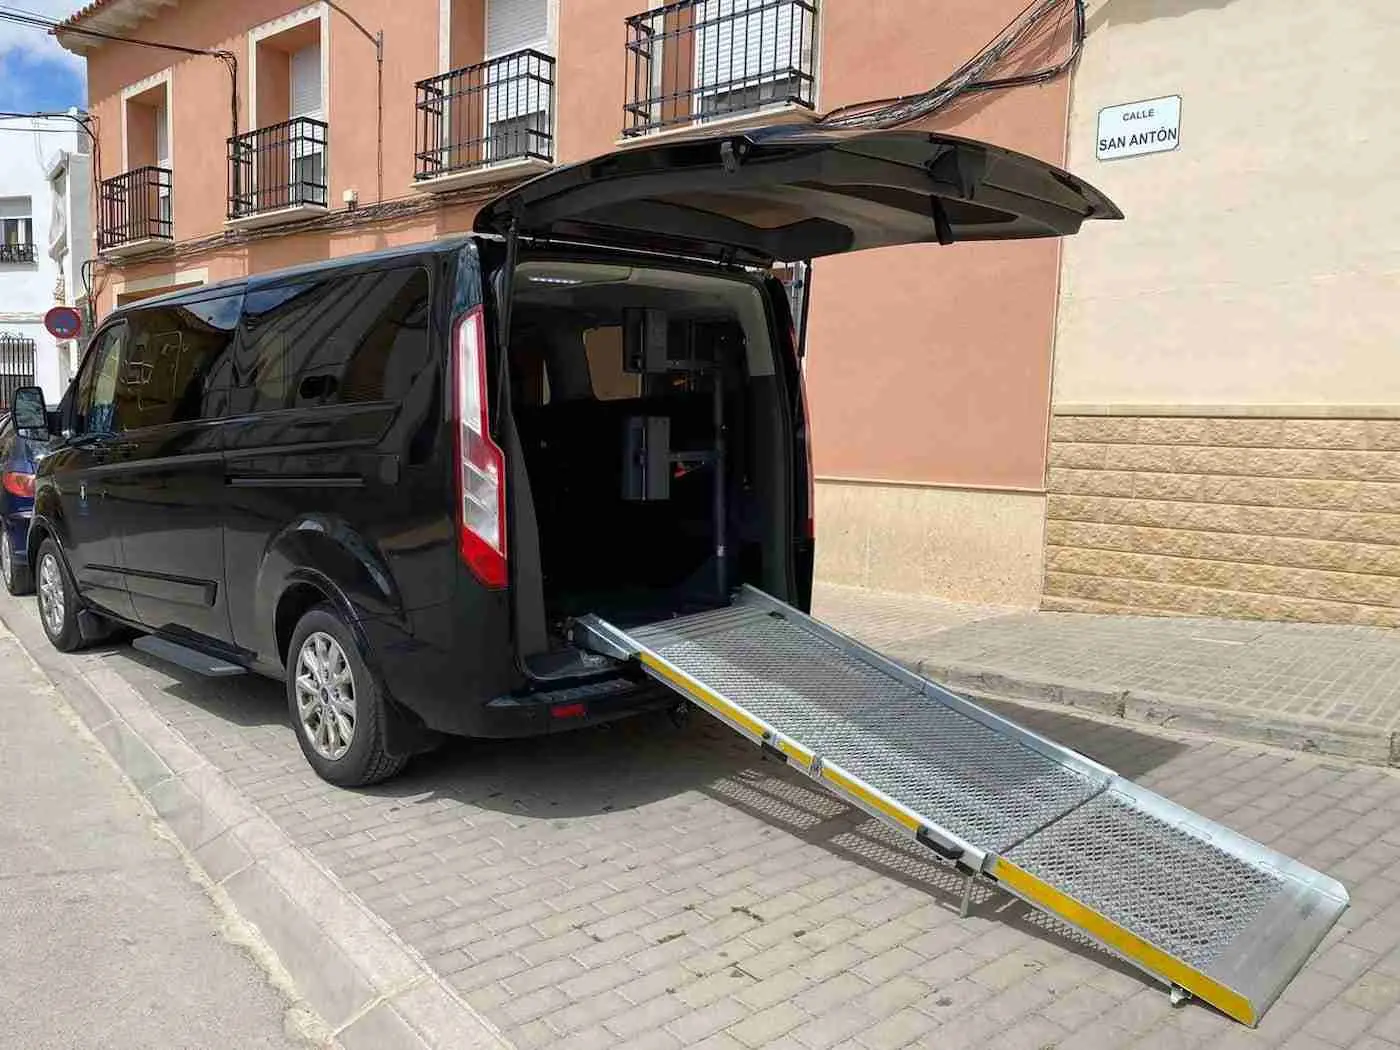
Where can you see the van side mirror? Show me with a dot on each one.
(30, 414)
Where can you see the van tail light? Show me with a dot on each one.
(17, 484)
(481, 476)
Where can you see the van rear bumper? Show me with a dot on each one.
(464, 692)
(576, 707)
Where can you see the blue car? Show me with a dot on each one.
(18, 458)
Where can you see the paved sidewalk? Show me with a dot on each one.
(106, 941)
(644, 886)
(1312, 687)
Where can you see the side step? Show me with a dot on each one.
(1191, 903)
(189, 659)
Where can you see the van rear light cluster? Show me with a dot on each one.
(481, 475)
(17, 484)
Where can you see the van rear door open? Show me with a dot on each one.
(790, 194)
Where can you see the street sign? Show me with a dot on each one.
(63, 322)
(1135, 128)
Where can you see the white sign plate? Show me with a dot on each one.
(1135, 128)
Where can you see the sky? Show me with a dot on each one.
(35, 73)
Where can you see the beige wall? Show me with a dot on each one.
(1260, 262)
(960, 544)
(1227, 388)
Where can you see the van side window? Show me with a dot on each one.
(341, 340)
(176, 362)
(97, 389)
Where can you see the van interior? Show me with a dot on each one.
(651, 416)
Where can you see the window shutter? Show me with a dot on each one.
(306, 82)
(514, 25)
(162, 137)
(742, 41)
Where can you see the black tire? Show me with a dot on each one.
(18, 579)
(320, 726)
(58, 599)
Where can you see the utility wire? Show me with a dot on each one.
(54, 27)
(971, 76)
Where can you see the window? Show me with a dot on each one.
(346, 339)
(16, 229)
(97, 389)
(176, 368)
(308, 158)
(751, 53)
(517, 98)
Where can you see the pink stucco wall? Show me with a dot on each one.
(926, 364)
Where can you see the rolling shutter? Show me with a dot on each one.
(516, 100)
(742, 41)
(306, 82)
(514, 25)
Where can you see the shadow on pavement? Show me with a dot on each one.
(649, 759)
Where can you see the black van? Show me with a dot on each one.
(394, 480)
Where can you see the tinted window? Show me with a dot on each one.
(97, 389)
(176, 362)
(344, 339)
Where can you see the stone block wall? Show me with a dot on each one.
(1251, 517)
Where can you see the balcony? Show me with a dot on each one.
(133, 212)
(695, 62)
(278, 173)
(481, 123)
(16, 252)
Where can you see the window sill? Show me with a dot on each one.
(276, 216)
(783, 113)
(501, 171)
(140, 246)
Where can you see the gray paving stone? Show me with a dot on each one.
(682, 847)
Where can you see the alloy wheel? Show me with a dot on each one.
(7, 557)
(52, 605)
(325, 691)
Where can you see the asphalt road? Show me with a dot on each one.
(105, 938)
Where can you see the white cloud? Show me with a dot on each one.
(33, 43)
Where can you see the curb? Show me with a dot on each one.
(1372, 746)
(371, 989)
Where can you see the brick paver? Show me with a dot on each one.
(1341, 675)
(641, 885)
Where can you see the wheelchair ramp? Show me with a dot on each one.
(1202, 909)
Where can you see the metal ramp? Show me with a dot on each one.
(1200, 908)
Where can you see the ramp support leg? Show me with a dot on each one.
(966, 908)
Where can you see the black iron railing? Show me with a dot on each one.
(484, 114)
(698, 60)
(134, 206)
(281, 166)
(16, 366)
(17, 252)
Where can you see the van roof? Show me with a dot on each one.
(439, 246)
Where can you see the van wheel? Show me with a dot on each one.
(58, 600)
(337, 708)
(18, 579)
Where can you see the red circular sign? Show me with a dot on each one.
(63, 322)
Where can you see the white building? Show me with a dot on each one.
(45, 238)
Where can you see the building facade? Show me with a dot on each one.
(44, 239)
(1002, 423)
(1226, 435)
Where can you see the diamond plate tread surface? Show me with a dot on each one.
(953, 771)
(1168, 886)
